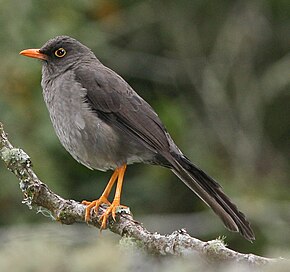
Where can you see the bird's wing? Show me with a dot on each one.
(118, 104)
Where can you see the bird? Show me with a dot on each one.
(105, 125)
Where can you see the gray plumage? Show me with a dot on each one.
(103, 123)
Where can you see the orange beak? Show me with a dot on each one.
(33, 53)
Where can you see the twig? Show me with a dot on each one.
(179, 243)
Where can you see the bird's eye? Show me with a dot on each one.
(60, 52)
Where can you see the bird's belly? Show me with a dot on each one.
(94, 143)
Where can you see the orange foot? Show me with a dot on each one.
(94, 205)
(111, 210)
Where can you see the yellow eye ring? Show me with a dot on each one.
(60, 52)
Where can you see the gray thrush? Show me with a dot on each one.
(104, 124)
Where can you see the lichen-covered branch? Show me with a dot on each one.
(179, 243)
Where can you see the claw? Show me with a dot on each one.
(111, 210)
(94, 205)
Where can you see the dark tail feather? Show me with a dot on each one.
(211, 193)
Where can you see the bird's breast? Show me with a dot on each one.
(83, 134)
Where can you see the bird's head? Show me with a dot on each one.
(60, 53)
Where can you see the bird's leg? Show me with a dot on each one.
(116, 202)
(103, 198)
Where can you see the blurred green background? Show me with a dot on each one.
(217, 73)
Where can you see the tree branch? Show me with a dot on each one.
(179, 243)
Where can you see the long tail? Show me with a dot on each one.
(211, 193)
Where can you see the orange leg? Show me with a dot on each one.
(103, 198)
(116, 202)
(117, 175)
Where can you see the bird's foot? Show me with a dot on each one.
(94, 205)
(111, 210)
